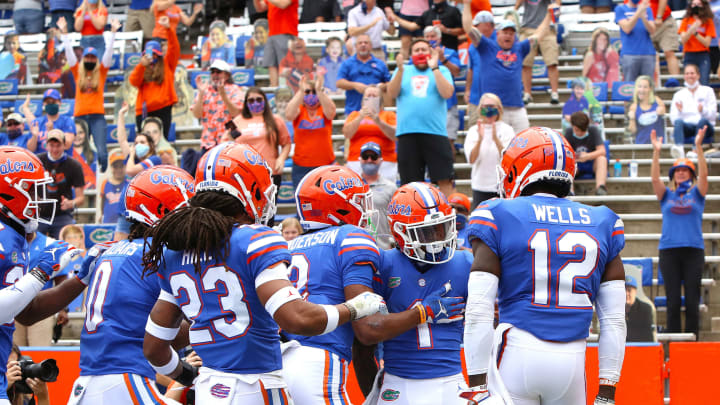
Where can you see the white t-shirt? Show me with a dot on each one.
(483, 175)
(356, 18)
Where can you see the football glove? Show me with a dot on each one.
(55, 257)
(88, 267)
(365, 304)
(443, 309)
(603, 401)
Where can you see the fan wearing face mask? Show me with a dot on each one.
(15, 135)
(697, 29)
(142, 155)
(692, 108)
(589, 148)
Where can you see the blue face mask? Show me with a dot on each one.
(256, 108)
(141, 150)
(433, 43)
(14, 133)
(460, 221)
(92, 1)
(370, 169)
(489, 111)
(51, 109)
(311, 100)
(581, 136)
(683, 187)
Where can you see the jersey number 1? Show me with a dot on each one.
(564, 288)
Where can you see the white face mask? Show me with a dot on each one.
(692, 86)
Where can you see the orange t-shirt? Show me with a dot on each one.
(477, 6)
(693, 44)
(253, 133)
(368, 131)
(88, 27)
(313, 139)
(89, 101)
(173, 14)
(157, 95)
(283, 21)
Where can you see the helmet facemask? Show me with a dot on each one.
(35, 192)
(432, 241)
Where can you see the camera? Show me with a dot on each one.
(46, 370)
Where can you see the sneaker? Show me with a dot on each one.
(527, 98)
(602, 190)
(677, 151)
(554, 98)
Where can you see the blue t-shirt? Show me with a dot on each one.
(225, 52)
(64, 123)
(374, 71)
(574, 105)
(140, 4)
(112, 204)
(70, 5)
(647, 121)
(502, 70)
(638, 42)
(332, 69)
(475, 64)
(682, 219)
(420, 108)
(21, 141)
(452, 56)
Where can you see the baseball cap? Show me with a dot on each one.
(221, 65)
(483, 17)
(507, 24)
(372, 147)
(460, 199)
(116, 155)
(90, 51)
(52, 93)
(15, 117)
(56, 134)
(578, 82)
(218, 24)
(153, 47)
(630, 282)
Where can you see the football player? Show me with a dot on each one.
(332, 261)
(222, 268)
(113, 369)
(424, 283)
(548, 260)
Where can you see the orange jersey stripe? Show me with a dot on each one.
(266, 250)
(482, 222)
(326, 378)
(358, 247)
(130, 389)
(261, 234)
(618, 232)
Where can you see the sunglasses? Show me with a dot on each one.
(369, 156)
(488, 106)
(310, 91)
(13, 124)
(255, 100)
(213, 71)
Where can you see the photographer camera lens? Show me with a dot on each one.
(46, 370)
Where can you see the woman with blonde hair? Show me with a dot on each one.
(217, 46)
(90, 76)
(647, 111)
(484, 144)
(601, 62)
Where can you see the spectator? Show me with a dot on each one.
(483, 22)
(666, 34)
(359, 71)
(40, 394)
(152, 127)
(296, 64)
(67, 186)
(320, 11)
(84, 153)
(217, 102)
(372, 124)
(140, 17)
(168, 9)
(90, 20)
(534, 14)
(596, 6)
(368, 18)
(19, 71)
(502, 66)
(255, 47)
(382, 189)
(141, 156)
(283, 26)
(484, 143)
(258, 127)
(282, 98)
(410, 11)
(601, 62)
(697, 29)
(112, 188)
(329, 64)
(28, 16)
(576, 102)
(638, 314)
(15, 135)
(647, 111)
(681, 247)
(590, 154)
(422, 94)
(692, 108)
(217, 46)
(461, 203)
(62, 8)
(51, 59)
(714, 50)
(451, 60)
(51, 119)
(154, 78)
(442, 15)
(636, 23)
(290, 228)
(90, 77)
(311, 112)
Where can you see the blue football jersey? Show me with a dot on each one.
(326, 261)
(430, 350)
(231, 330)
(13, 262)
(553, 254)
(118, 303)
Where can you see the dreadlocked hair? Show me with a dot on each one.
(202, 229)
(137, 230)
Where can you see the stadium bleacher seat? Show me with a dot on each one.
(8, 87)
(621, 91)
(112, 133)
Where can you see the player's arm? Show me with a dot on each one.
(294, 315)
(49, 302)
(610, 306)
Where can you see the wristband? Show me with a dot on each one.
(333, 317)
(160, 332)
(435, 68)
(168, 368)
(40, 275)
(605, 381)
(423, 314)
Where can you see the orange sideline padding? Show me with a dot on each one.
(694, 372)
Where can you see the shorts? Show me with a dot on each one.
(585, 168)
(417, 151)
(596, 3)
(453, 122)
(516, 117)
(405, 391)
(114, 389)
(314, 375)
(666, 37)
(276, 48)
(548, 47)
(219, 388)
(410, 18)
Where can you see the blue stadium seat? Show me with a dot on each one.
(244, 77)
(203, 74)
(8, 87)
(286, 193)
(130, 60)
(539, 70)
(647, 269)
(67, 107)
(240, 49)
(112, 133)
(35, 107)
(621, 91)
